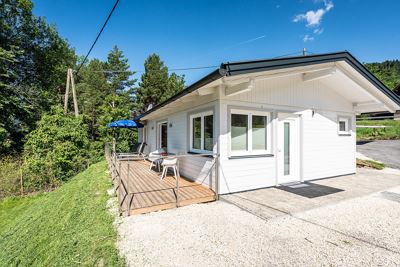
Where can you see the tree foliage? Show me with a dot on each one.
(33, 64)
(56, 150)
(388, 72)
(156, 84)
(105, 94)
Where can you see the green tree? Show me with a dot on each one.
(156, 85)
(33, 64)
(56, 150)
(105, 94)
(92, 89)
(118, 75)
(388, 72)
(121, 109)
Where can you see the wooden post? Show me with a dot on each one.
(70, 80)
(178, 176)
(66, 93)
(119, 172)
(127, 190)
(74, 94)
(21, 179)
(217, 177)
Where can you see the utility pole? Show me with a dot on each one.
(70, 82)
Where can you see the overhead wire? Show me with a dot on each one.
(188, 68)
(98, 36)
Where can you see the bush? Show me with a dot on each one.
(10, 173)
(55, 151)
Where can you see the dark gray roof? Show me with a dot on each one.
(243, 67)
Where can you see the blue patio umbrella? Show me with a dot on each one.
(125, 124)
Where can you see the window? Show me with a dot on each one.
(343, 126)
(250, 132)
(202, 132)
(239, 129)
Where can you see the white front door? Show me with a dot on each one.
(288, 148)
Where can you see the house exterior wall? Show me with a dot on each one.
(198, 168)
(323, 152)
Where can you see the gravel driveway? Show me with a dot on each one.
(386, 151)
(351, 232)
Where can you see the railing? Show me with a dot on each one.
(116, 175)
(122, 182)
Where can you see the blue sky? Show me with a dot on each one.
(205, 33)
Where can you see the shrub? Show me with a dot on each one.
(55, 151)
(9, 176)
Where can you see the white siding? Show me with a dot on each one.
(324, 152)
(293, 92)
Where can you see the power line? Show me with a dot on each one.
(98, 35)
(169, 70)
(189, 68)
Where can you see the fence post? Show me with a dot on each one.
(119, 172)
(217, 177)
(178, 177)
(21, 178)
(127, 190)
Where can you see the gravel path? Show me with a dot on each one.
(355, 232)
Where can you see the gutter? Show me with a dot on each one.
(243, 67)
(213, 76)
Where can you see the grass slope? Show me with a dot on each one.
(69, 226)
(391, 132)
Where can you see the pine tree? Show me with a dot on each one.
(119, 74)
(156, 85)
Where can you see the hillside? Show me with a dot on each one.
(67, 227)
(388, 72)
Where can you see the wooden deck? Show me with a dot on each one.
(142, 191)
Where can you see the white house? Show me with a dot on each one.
(271, 121)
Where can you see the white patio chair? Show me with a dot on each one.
(170, 163)
(155, 158)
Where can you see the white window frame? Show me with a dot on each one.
(346, 120)
(201, 115)
(250, 150)
(159, 133)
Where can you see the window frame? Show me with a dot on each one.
(250, 151)
(347, 121)
(200, 115)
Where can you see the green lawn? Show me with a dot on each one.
(391, 132)
(67, 227)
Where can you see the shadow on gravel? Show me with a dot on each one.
(309, 190)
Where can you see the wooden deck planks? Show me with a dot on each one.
(152, 194)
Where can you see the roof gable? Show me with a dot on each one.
(244, 67)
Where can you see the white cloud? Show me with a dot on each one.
(318, 31)
(314, 17)
(307, 38)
